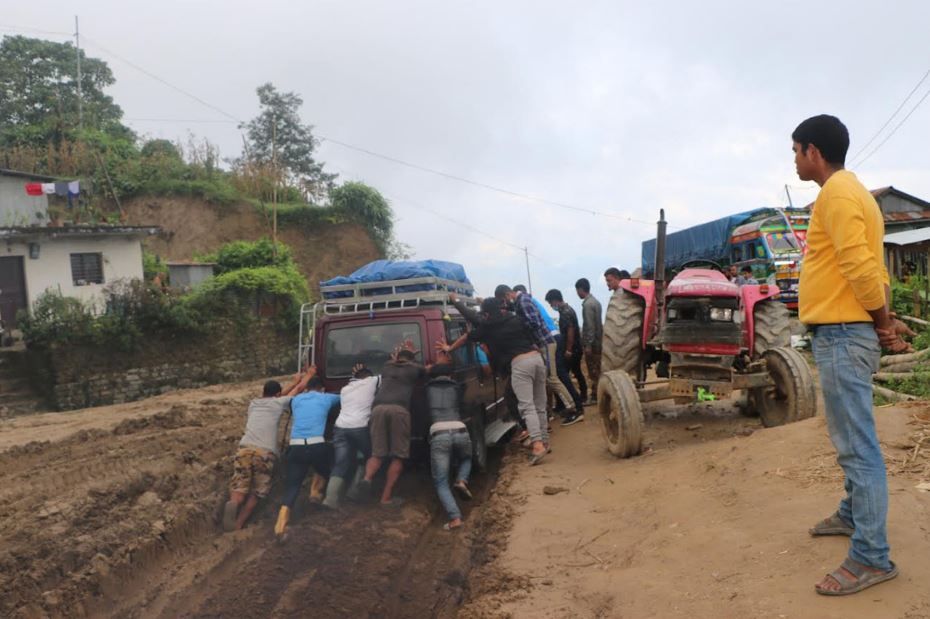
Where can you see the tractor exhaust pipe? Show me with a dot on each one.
(660, 260)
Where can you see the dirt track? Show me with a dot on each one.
(112, 515)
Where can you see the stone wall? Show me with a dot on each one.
(79, 377)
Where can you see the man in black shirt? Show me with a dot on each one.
(569, 352)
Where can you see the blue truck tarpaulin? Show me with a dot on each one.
(707, 241)
(387, 270)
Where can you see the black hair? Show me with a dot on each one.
(519, 288)
(491, 306)
(441, 369)
(614, 271)
(405, 354)
(315, 383)
(583, 284)
(553, 295)
(828, 134)
(624, 274)
(271, 389)
(502, 291)
(745, 270)
(363, 373)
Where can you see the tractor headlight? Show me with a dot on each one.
(723, 314)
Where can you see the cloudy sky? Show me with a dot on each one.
(617, 107)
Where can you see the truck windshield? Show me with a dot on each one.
(370, 344)
(782, 242)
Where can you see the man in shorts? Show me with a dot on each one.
(258, 450)
(390, 422)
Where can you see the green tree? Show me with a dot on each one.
(365, 205)
(279, 141)
(38, 93)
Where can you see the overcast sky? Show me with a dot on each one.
(618, 107)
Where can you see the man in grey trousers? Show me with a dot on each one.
(592, 332)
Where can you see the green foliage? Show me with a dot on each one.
(152, 265)
(39, 102)
(903, 293)
(917, 384)
(365, 205)
(250, 254)
(56, 319)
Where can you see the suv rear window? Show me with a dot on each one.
(368, 344)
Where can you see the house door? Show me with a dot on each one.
(12, 289)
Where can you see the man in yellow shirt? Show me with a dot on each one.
(844, 301)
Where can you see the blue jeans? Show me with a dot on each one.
(846, 356)
(442, 447)
(348, 442)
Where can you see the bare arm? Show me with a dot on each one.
(301, 384)
(448, 348)
(886, 329)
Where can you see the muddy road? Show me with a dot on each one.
(113, 514)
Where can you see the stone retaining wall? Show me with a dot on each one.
(73, 377)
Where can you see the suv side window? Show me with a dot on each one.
(464, 356)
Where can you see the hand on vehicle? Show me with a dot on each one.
(358, 367)
(453, 297)
(443, 345)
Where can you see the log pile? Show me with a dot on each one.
(902, 367)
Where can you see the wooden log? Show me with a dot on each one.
(916, 321)
(894, 396)
(894, 359)
(885, 376)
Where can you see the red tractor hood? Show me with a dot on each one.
(702, 283)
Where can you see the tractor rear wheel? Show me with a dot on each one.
(770, 327)
(793, 396)
(623, 333)
(620, 413)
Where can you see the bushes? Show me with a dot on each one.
(252, 283)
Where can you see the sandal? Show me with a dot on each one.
(864, 578)
(537, 458)
(462, 488)
(448, 527)
(834, 525)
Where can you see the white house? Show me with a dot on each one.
(17, 208)
(75, 261)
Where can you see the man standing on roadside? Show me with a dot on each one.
(844, 294)
(592, 332)
(613, 276)
(568, 355)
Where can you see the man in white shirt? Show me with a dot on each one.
(351, 434)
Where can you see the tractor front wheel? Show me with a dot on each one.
(792, 397)
(620, 413)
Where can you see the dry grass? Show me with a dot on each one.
(910, 459)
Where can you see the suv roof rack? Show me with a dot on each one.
(369, 297)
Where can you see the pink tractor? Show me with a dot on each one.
(706, 338)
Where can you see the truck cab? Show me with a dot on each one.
(364, 323)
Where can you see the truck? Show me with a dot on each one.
(771, 242)
(364, 322)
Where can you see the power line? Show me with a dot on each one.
(182, 120)
(160, 80)
(25, 30)
(893, 131)
(890, 118)
(390, 158)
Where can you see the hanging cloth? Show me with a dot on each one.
(74, 189)
(61, 189)
(48, 188)
(34, 189)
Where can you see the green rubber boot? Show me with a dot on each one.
(333, 492)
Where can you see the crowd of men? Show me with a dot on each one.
(535, 355)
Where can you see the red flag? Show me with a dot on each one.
(34, 189)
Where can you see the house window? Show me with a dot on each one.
(87, 269)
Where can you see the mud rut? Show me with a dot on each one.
(121, 523)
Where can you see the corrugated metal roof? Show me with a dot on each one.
(27, 175)
(908, 237)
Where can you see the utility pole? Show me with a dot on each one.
(274, 188)
(790, 204)
(529, 282)
(80, 98)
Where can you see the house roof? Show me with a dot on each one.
(908, 237)
(27, 175)
(882, 192)
(32, 232)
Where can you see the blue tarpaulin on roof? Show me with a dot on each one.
(388, 270)
(708, 241)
